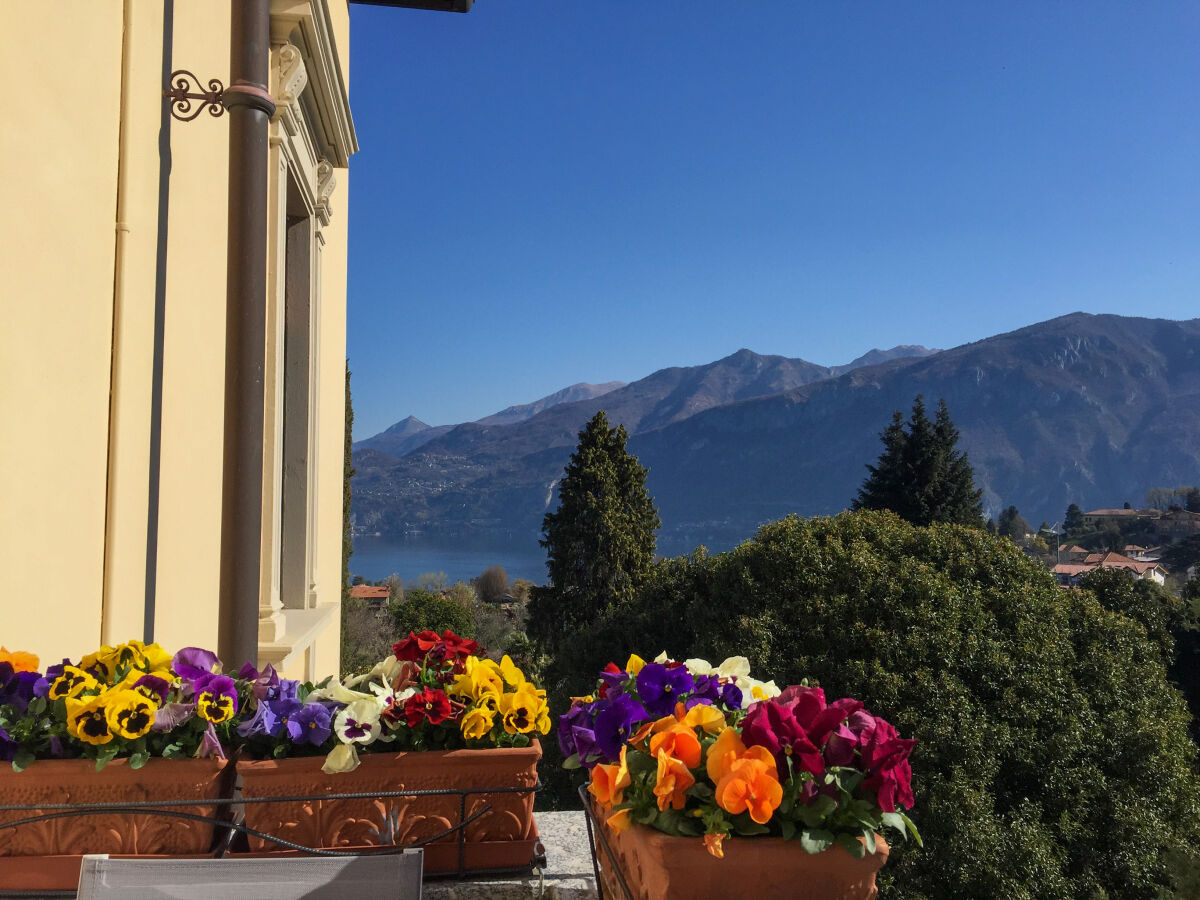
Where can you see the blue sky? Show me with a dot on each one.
(555, 191)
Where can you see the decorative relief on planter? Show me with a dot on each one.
(76, 781)
(393, 820)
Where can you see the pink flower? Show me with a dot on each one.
(771, 724)
(884, 757)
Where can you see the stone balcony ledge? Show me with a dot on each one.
(568, 874)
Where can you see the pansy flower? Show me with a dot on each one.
(17, 687)
(71, 683)
(477, 724)
(8, 747)
(153, 687)
(216, 698)
(87, 720)
(130, 714)
(19, 659)
(194, 663)
(358, 723)
(660, 687)
(615, 723)
(311, 724)
(431, 705)
(673, 778)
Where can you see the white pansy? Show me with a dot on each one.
(358, 723)
(698, 667)
(737, 666)
(339, 692)
(758, 690)
(662, 658)
(342, 758)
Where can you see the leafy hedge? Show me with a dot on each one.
(1054, 757)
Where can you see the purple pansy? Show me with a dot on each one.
(660, 687)
(263, 723)
(16, 688)
(264, 685)
(615, 723)
(578, 714)
(8, 747)
(311, 724)
(193, 663)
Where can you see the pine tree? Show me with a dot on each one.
(600, 541)
(920, 475)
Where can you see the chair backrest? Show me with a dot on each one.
(390, 877)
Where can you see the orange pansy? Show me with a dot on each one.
(750, 784)
(609, 782)
(712, 843)
(673, 781)
(678, 741)
(19, 660)
(723, 752)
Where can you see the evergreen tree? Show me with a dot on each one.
(1074, 519)
(600, 541)
(920, 475)
(1012, 524)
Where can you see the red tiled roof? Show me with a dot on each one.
(369, 592)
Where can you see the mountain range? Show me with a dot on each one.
(1090, 409)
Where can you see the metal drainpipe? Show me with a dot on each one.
(250, 107)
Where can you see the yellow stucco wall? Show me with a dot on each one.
(74, 455)
(59, 146)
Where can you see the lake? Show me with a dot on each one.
(462, 559)
(376, 558)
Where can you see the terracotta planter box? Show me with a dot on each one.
(504, 837)
(656, 866)
(45, 855)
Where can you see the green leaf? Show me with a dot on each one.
(572, 762)
(853, 846)
(869, 838)
(747, 827)
(701, 791)
(788, 827)
(138, 759)
(912, 829)
(22, 760)
(37, 706)
(895, 821)
(816, 840)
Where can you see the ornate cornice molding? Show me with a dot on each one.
(326, 182)
(289, 76)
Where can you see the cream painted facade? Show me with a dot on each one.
(81, 259)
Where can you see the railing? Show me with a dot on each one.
(227, 828)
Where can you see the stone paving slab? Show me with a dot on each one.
(568, 874)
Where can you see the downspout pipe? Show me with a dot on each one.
(250, 106)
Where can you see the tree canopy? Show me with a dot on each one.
(1053, 757)
(921, 475)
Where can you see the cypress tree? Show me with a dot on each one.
(600, 541)
(921, 475)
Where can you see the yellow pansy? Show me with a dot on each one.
(477, 680)
(104, 661)
(129, 713)
(634, 665)
(520, 710)
(711, 719)
(87, 721)
(477, 723)
(511, 674)
(72, 682)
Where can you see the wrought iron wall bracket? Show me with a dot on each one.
(181, 96)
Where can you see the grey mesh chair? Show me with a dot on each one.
(391, 877)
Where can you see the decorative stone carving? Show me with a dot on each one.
(326, 182)
(290, 77)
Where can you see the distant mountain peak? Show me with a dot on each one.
(405, 427)
(519, 413)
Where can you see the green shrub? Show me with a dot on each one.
(1054, 758)
(422, 610)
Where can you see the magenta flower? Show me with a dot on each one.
(772, 725)
(885, 759)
